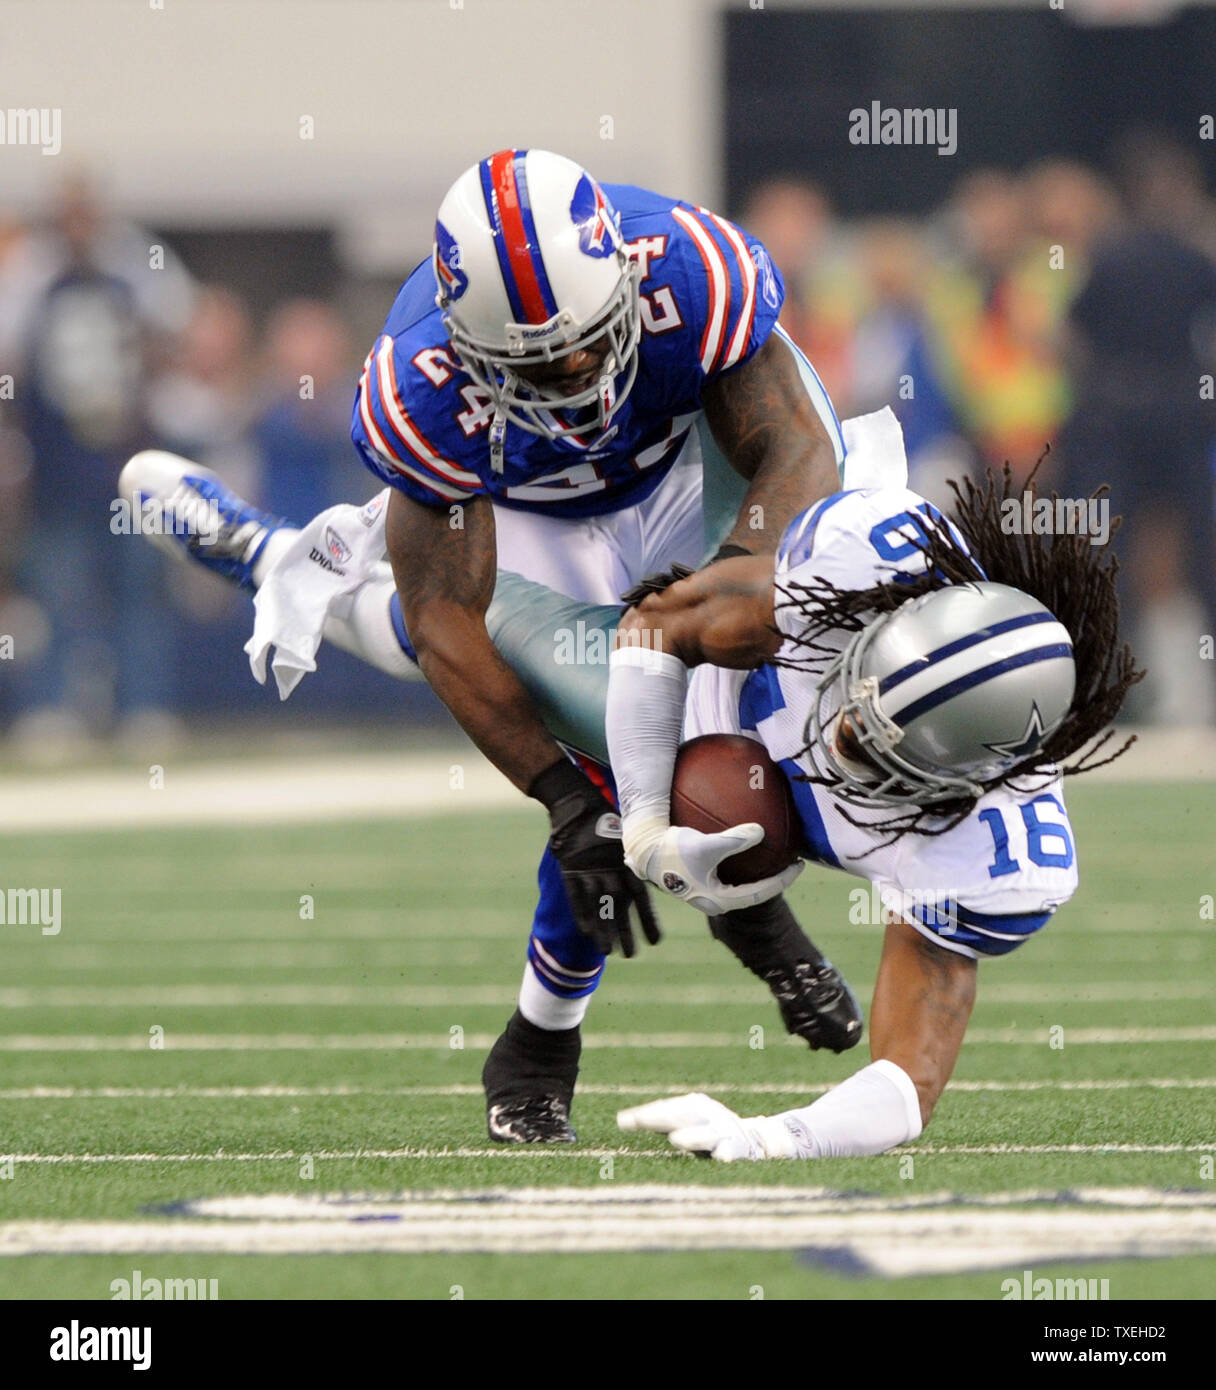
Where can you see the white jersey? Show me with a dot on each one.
(979, 889)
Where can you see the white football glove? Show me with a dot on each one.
(684, 863)
(699, 1124)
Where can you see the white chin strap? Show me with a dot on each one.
(498, 425)
(605, 403)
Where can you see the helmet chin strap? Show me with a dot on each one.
(498, 425)
(606, 391)
(607, 394)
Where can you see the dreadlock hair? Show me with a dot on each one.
(1074, 580)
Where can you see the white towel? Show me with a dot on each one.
(335, 554)
(875, 456)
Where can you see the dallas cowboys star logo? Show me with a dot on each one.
(1031, 737)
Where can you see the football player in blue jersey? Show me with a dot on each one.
(537, 415)
(546, 397)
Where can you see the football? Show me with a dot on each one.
(725, 779)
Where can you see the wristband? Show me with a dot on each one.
(727, 552)
(556, 783)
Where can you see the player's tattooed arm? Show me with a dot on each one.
(766, 426)
(923, 999)
(722, 614)
(445, 576)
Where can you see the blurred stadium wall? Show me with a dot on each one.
(193, 112)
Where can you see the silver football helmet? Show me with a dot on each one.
(934, 700)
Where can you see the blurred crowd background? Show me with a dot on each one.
(1061, 310)
(1063, 315)
(113, 355)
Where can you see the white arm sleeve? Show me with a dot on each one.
(871, 1112)
(644, 719)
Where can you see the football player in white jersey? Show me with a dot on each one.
(919, 684)
(998, 652)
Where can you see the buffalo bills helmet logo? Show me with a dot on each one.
(452, 280)
(592, 214)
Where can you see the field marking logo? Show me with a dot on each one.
(846, 1232)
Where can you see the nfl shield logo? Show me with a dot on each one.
(337, 547)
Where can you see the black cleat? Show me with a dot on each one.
(529, 1078)
(531, 1120)
(816, 1004)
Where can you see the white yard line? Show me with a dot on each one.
(222, 996)
(591, 1088)
(558, 1151)
(992, 1149)
(372, 1042)
(341, 1155)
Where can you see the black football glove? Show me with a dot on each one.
(660, 580)
(586, 841)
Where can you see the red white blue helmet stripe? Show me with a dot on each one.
(504, 185)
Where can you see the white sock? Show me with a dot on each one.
(279, 542)
(359, 623)
(871, 1112)
(540, 1006)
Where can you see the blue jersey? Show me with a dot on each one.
(710, 296)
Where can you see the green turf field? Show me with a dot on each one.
(327, 1045)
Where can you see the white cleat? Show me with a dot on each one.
(186, 510)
